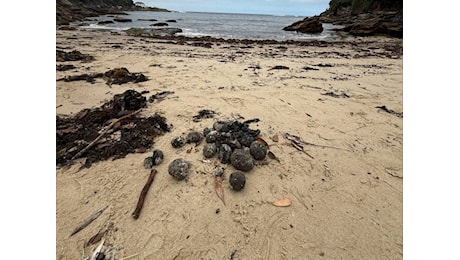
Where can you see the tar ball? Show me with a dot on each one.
(225, 151)
(242, 160)
(148, 163)
(222, 126)
(237, 181)
(157, 157)
(194, 137)
(179, 169)
(258, 150)
(178, 142)
(209, 150)
(206, 131)
(212, 136)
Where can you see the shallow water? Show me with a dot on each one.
(218, 25)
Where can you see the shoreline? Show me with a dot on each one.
(346, 202)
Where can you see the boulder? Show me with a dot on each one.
(307, 25)
(159, 24)
(122, 20)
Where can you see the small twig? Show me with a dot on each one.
(144, 191)
(102, 134)
(88, 221)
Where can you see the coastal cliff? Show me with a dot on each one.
(360, 18)
(74, 10)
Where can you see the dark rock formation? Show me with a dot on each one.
(159, 24)
(122, 19)
(359, 17)
(307, 25)
(74, 10)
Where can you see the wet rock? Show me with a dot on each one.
(178, 142)
(224, 153)
(178, 169)
(157, 157)
(105, 22)
(122, 20)
(209, 150)
(159, 24)
(242, 160)
(237, 181)
(258, 150)
(171, 21)
(194, 137)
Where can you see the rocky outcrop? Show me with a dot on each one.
(74, 10)
(307, 25)
(359, 17)
(389, 23)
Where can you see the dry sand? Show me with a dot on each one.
(346, 203)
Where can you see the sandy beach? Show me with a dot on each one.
(346, 188)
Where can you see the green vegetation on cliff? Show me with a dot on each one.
(363, 6)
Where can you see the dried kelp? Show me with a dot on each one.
(112, 130)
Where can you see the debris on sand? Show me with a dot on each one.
(113, 129)
(72, 56)
(117, 76)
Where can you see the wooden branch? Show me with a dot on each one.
(102, 134)
(88, 221)
(144, 191)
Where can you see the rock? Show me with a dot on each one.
(206, 131)
(258, 150)
(307, 25)
(209, 150)
(122, 20)
(178, 142)
(237, 181)
(194, 137)
(171, 21)
(149, 20)
(178, 169)
(157, 157)
(224, 153)
(165, 31)
(159, 24)
(242, 160)
(105, 22)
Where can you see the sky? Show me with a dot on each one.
(274, 7)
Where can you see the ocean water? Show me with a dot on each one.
(217, 25)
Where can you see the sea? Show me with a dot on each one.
(217, 25)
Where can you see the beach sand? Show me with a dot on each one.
(347, 201)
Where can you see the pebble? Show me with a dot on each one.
(178, 142)
(242, 160)
(179, 169)
(237, 181)
(258, 150)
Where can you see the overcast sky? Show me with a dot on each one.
(276, 7)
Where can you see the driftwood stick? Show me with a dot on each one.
(144, 191)
(103, 133)
(88, 221)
